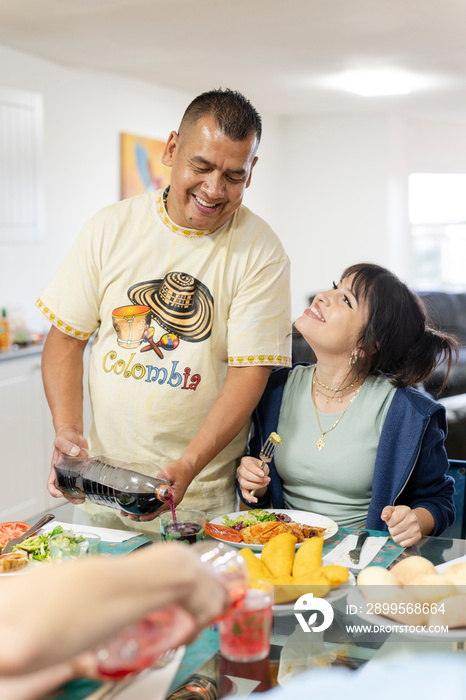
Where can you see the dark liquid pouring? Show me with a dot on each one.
(78, 486)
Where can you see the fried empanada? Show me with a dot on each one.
(278, 554)
(308, 557)
(256, 567)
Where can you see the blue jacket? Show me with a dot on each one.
(411, 461)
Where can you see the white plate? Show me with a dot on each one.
(355, 597)
(283, 609)
(298, 516)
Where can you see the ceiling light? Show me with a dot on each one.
(374, 83)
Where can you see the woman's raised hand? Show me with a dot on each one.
(251, 477)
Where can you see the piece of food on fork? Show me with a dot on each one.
(267, 450)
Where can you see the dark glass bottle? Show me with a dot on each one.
(130, 487)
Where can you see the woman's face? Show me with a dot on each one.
(334, 322)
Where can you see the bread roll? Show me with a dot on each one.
(456, 573)
(408, 570)
(376, 576)
(454, 614)
(379, 586)
(431, 588)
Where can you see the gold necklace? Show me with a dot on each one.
(327, 397)
(330, 388)
(321, 442)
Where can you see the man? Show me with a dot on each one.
(189, 293)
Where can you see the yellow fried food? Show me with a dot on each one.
(336, 574)
(308, 557)
(317, 583)
(256, 567)
(278, 554)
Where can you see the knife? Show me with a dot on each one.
(16, 540)
(355, 554)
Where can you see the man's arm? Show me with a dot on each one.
(62, 372)
(229, 414)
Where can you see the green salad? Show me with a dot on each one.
(37, 546)
(248, 518)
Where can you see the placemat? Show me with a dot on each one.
(118, 549)
(195, 656)
(389, 552)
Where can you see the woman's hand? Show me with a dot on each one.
(251, 476)
(403, 525)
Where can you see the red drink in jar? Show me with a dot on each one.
(245, 631)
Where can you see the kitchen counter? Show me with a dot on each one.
(21, 352)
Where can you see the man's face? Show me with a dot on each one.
(210, 173)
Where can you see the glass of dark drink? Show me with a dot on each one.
(183, 525)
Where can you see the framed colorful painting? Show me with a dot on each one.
(141, 166)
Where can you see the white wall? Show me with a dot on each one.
(84, 114)
(333, 187)
(334, 193)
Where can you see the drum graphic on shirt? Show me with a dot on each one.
(130, 324)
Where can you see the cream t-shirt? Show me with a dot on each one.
(173, 308)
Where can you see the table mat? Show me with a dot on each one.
(120, 548)
(195, 656)
(386, 556)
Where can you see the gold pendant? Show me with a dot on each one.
(320, 442)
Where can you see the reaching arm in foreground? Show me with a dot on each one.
(58, 603)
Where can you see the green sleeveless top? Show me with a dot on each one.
(335, 481)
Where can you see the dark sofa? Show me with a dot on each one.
(446, 311)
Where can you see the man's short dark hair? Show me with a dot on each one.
(233, 113)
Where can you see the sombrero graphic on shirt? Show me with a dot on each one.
(179, 303)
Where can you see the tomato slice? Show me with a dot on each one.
(223, 532)
(14, 528)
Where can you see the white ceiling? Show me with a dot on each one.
(275, 51)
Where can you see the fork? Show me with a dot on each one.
(267, 450)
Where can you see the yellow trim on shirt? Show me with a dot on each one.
(59, 323)
(247, 360)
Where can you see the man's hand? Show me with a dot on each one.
(251, 477)
(179, 475)
(68, 442)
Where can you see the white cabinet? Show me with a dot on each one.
(26, 437)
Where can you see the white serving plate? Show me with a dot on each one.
(298, 516)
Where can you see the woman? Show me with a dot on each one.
(359, 444)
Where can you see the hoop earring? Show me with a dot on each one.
(353, 359)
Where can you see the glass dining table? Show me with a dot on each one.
(350, 641)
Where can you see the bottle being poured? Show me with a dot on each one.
(138, 489)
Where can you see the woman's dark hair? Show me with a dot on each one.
(397, 340)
